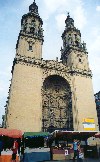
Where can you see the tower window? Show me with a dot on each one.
(80, 60)
(32, 29)
(25, 29)
(30, 47)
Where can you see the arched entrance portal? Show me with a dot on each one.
(56, 104)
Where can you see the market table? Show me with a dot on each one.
(38, 154)
(7, 155)
(59, 154)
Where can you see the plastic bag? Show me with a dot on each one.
(81, 155)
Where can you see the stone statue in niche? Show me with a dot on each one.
(73, 39)
(70, 39)
(40, 31)
(64, 43)
(33, 23)
(84, 46)
(24, 25)
(62, 50)
(33, 28)
(77, 40)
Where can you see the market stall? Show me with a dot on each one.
(35, 146)
(7, 137)
(97, 135)
(7, 155)
(62, 143)
(13, 133)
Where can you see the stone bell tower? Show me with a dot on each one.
(74, 55)
(30, 39)
(24, 103)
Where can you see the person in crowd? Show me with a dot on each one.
(14, 149)
(22, 151)
(80, 154)
(1, 145)
(75, 148)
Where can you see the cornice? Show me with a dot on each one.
(50, 65)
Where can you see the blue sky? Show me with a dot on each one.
(86, 15)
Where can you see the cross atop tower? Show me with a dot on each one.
(68, 16)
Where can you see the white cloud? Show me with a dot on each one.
(6, 73)
(94, 56)
(5, 76)
(53, 5)
(61, 6)
(95, 42)
(79, 17)
(96, 45)
(60, 20)
(75, 7)
(98, 8)
(26, 3)
(1, 86)
(95, 67)
(95, 31)
(3, 89)
(95, 64)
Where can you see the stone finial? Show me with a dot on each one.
(56, 59)
(68, 16)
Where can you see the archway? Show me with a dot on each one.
(56, 104)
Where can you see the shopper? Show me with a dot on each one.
(14, 149)
(80, 153)
(75, 148)
(1, 145)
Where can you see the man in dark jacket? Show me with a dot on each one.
(1, 145)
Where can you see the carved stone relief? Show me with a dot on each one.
(56, 104)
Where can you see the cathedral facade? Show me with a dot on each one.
(47, 95)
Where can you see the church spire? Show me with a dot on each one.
(71, 39)
(69, 21)
(33, 8)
